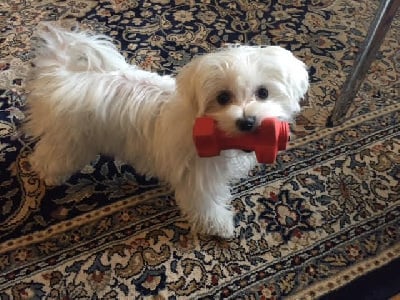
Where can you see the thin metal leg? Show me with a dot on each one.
(367, 53)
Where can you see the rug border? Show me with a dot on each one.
(64, 226)
(345, 125)
(344, 277)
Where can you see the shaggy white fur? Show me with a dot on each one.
(84, 99)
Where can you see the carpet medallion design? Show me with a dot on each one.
(326, 213)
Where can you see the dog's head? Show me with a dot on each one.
(239, 87)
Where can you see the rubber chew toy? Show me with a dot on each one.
(269, 138)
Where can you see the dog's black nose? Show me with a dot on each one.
(246, 124)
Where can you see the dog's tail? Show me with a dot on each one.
(78, 76)
(76, 51)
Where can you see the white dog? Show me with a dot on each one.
(84, 99)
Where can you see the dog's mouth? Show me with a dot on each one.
(248, 151)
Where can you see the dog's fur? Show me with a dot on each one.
(84, 99)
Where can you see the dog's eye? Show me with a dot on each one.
(262, 93)
(224, 97)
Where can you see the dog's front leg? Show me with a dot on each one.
(205, 202)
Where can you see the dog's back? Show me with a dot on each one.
(83, 98)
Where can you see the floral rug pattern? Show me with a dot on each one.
(327, 212)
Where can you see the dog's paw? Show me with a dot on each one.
(53, 181)
(50, 180)
(52, 174)
(218, 222)
(226, 230)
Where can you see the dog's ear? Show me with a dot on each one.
(296, 75)
(298, 78)
(293, 70)
(187, 82)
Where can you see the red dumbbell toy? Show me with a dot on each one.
(269, 138)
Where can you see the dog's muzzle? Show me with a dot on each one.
(246, 124)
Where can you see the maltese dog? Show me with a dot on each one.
(85, 99)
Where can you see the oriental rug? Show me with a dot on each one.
(326, 213)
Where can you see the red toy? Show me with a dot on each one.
(271, 137)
